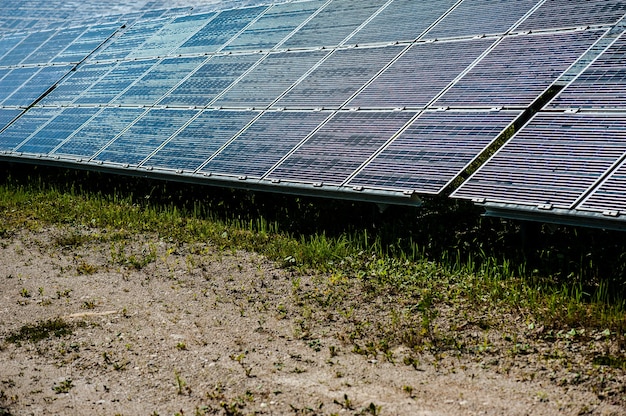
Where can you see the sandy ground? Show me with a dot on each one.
(155, 328)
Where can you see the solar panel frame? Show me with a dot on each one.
(519, 69)
(433, 150)
(553, 161)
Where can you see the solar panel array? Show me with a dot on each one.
(377, 99)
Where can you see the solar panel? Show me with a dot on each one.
(37, 85)
(433, 151)
(120, 47)
(518, 70)
(274, 25)
(143, 137)
(53, 46)
(481, 17)
(340, 147)
(162, 77)
(86, 43)
(334, 23)
(57, 130)
(271, 78)
(401, 20)
(552, 161)
(8, 42)
(14, 79)
(573, 13)
(76, 82)
(338, 77)
(200, 139)
(7, 115)
(171, 36)
(218, 31)
(419, 75)
(115, 82)
(92, 136)
(257, 150)
(608, 197)
(601, 85)
(16, 55)
(202, 86)
(24, 126)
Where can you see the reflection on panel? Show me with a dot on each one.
(571, 13)
(337, 149)
(36, 86)
(87, 43)
(200, 139)
(265, 143)
(433, 150)
(129, 40)
(77, 82)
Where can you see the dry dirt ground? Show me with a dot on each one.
(149, 327)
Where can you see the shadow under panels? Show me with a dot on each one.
(553, 161)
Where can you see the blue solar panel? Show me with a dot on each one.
(159, 80)
(14, 79)
(275, 24)
(271, 78)
(609, 195)
(519, 69)
(574, 13)
(78, 81)
(142, 138)
(257, 149)
(402, 20)
(210, 80)
(340, 147)
(339, 77)
(480, 17)
(419, 75)
(57, 130)
(601, 85)
(86, 43)
(103, 128)
(8, 42)
(120, 47)
(171, 36)
(7, 115)
(334, 23)
(37, 85)
(552, 161)
(214, 35)
(114, 82)
(53, 46)
(433, 151)
(24, 126)
(16, 55)
(199, 140)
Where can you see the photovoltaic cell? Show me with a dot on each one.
(128, 41)
(552, 160)
(37, 85)
(601, 85)
(57, 130)
(574, 13)
(114, 82)
(16, 55)
(609, 196)
(210, 80)
(433, 151)
(340, 147)
(334, 23)
(275, 24)
(14, 80)
(200, 139)
(7, 115)
(159, 80)
(24, 126)
(144, 136)
(8, 42)
(339, 77)
(214, 35)
(92, 136)
(402, 20)
(271, 78)
(519, 69)
(53, 46)
(419, 75)
(265, 143)
(86, 43)
(171, 36)
(77, 82)
(481, 17)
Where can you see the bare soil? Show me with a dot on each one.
(147, 327)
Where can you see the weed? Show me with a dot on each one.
(25, 293)
(63, 387)
(40, 331)
(181, 346)
(181, 384)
